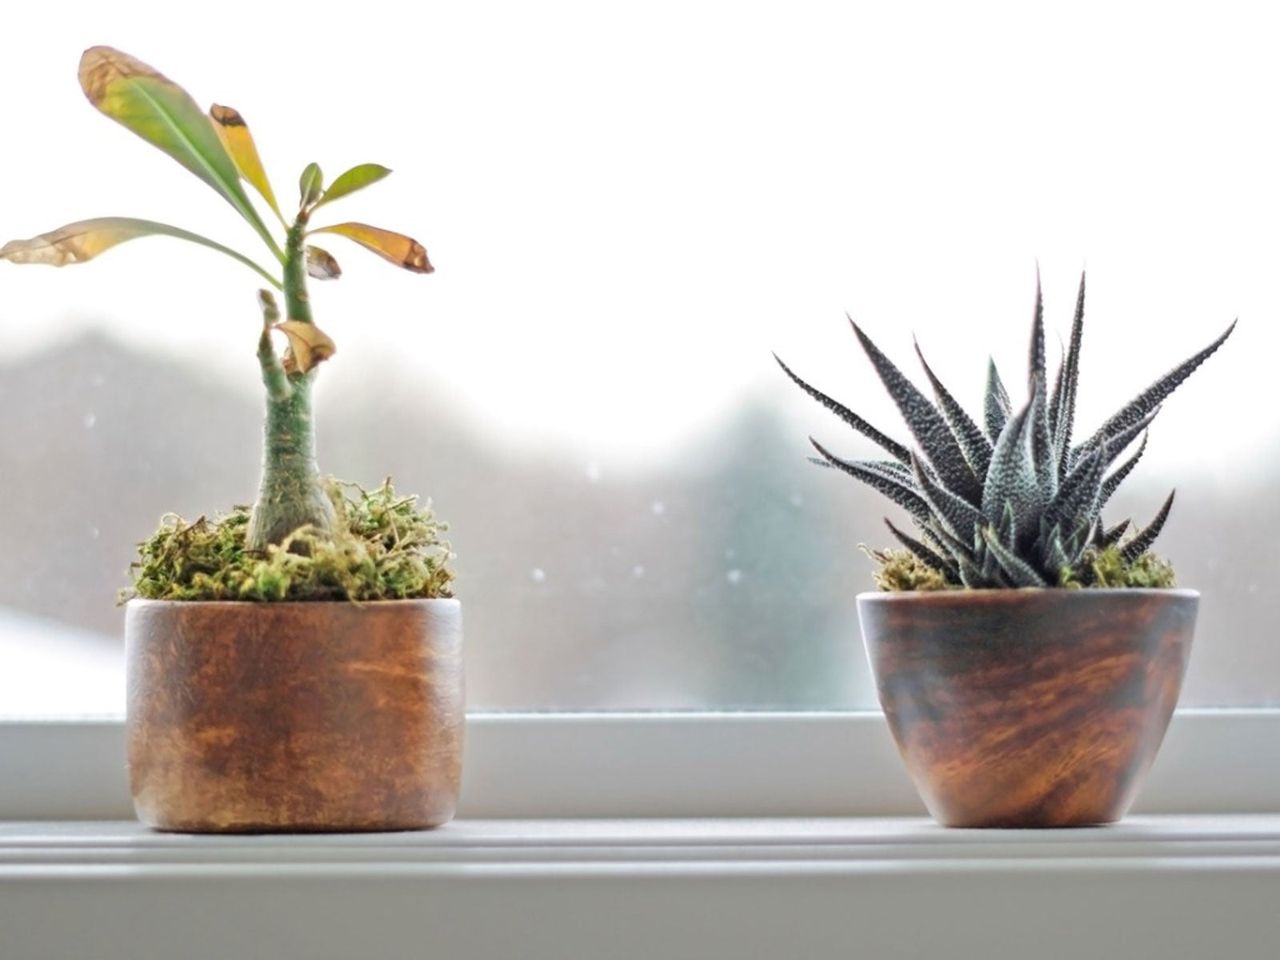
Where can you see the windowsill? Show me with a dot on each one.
(1161, 885)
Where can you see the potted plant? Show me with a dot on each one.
(1028, 656)
(295, 665)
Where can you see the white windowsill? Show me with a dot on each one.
(1168, 886)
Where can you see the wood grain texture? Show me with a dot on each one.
(292, 717)
(1028, 708)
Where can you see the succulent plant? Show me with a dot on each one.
(1010, 501)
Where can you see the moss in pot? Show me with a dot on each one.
(296, 664)
(1027, 655)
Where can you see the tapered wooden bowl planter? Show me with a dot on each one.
(283, 717)
(1028, 708)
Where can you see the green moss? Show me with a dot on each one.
(902, 570)
(1107, 568)
(386, 548)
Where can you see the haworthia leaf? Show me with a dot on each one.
(1113, 535)
(1042, 453)
(996, 407)
(1143, 540)
(1150, 398)
(923, 553)
(1078, 497)
(162, 113)
(895, 490)
(895, 449)
(1069, 378)
(956, 515)
(357, 178)
(1036, 364)
(1011, 478)
(401, 250)
(82, 241)
(1019, 572)
(238, 142)
(973, 442)
(926, 424)
(1111, 483)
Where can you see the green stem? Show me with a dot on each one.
(291, 494)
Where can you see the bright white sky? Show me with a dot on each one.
(630, 205)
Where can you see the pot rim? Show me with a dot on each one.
(292, 604)
(1013, 593)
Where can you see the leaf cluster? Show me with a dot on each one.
(219, 149)
(1013, 500)
(386, 547)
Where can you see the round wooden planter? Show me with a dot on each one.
(283, 717)
(1028, 708)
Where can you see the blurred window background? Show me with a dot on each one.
(629, 207)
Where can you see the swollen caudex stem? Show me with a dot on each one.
(291, 494)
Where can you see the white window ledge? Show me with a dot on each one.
(1158, 887)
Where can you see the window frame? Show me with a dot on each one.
(624, 765)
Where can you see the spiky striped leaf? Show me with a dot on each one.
(1019, 572)
(926, 423)
(922, 552)
(996, 408)
(1143, 540)
(1063, 411)
(1149, 399)
(973, 442)
(1113, 535)
(956, 514)
(1077, 499)
(1011, 479)
(892, 447)
(1117, 477)
(895, 490)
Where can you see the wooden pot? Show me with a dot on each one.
(1028, 708)
(291, 717)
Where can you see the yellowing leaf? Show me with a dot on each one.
(321, 265)
(238, 142)
(162, 113)
(357, 178)
(82, 241)
(310, 184)
(401, 250)
(308, 345)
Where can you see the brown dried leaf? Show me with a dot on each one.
(308, 345)
(401, 250)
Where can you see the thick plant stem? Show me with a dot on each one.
(291, 494)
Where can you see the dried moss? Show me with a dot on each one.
(902, 570)
(388, 547)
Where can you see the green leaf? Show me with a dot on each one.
(357, 178)
(162, 113)
(310, 185)
(82, 241)
(1018, 571)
